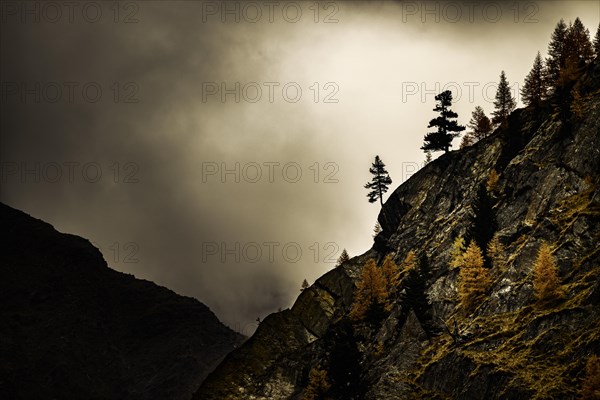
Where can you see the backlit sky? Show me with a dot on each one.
(320, 94)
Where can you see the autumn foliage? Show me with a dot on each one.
(546, 283)
(457, 253)
(474, 279)
(318, 385)
(371, 297)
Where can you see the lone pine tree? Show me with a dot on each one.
(447, 127)
(535, 88)
(379, 183)
(304, 285)
(504, 103)
(343, 258)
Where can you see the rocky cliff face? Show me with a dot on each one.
(72, 328)
(509, 347)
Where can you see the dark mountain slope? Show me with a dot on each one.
(72, 328)
(510, 346)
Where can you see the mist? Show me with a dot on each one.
(220, 149)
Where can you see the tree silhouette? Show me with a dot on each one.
(535, 88)
(447, 127)
(556, 52)
(467, 140)
(578, 47)
(304, 286)
(376, 229)
(570, 49)
(480, 125)
(343, 258)
(597, 43)
(504, 103)
(344, 366)
(380, 182)
(416, 287)
(427, 157)
(483, 222)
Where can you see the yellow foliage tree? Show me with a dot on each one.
(457, 253)
(371, 292)
(590, 389)
(474, 279)
(546, 284)
(409, 263)
(492, 181)
(495, 251)
(318, 385)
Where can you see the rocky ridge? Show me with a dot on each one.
(510, 347)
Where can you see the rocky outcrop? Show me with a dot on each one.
(510, 347)
(72, 328)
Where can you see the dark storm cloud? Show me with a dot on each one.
(152, 202)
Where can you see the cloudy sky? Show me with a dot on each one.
(220, 148)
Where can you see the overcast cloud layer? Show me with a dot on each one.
(160, 132)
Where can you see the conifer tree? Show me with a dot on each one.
(416, 287)
(344, 257)
(495, 252)
(556, 52)
(370, 296)
(409, 263)
(318, 385)
(597, 43)
(546, 284)
(578, 47)
(504, 103)
(391, 276)
(535, 88)
(457, 253)
(379, 183)
(427, 157)
(483, 222)
(344, 363)
(304, 286)
(480, 125)
(376, 229)
(473, 280)
(467, 140)
(447, 127)
(492, 182)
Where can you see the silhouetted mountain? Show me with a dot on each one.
(72, 328)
